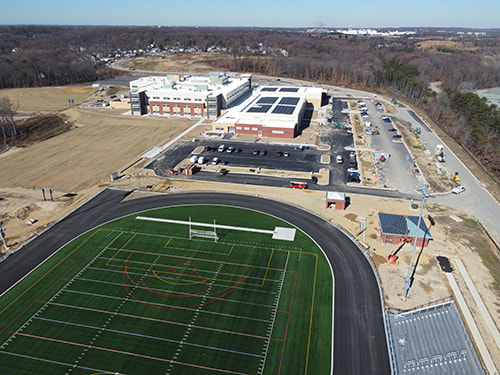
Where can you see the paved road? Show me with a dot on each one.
(360, 345)
(476, 200)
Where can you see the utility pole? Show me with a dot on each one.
(425, 194)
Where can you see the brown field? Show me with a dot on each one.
(102, 142)
(47, 99)
(432, 45)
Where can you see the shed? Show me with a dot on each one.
(394, 228)
(338, 199)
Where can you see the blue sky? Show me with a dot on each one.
(270, 13)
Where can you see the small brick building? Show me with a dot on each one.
(338, 199)
(394, 228)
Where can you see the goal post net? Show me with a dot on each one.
(212, 234)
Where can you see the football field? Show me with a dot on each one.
(183, 290)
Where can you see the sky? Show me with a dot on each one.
(258, 13)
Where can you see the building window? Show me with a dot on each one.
(278, 132)
(246, 128)
(255, 129)
(238, 127)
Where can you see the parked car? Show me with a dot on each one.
(279, 153)
(392, 130)
(364, 114)
(221, 148)
(255, 152)
(230, 149)
(263, 152)
(215, 161)
(286, 154)
(353, 178)
(458, 189)
(397, 136)
(339, 159)
(223, 171)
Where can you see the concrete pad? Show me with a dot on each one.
(287, 234)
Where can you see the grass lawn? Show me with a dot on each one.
(136, 296)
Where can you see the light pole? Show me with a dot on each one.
(425, 194)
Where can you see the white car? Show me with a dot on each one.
(458, 189)
(215, 161)
(339, 159)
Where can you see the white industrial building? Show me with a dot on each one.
(187, 96)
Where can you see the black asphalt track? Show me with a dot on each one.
(360, 345)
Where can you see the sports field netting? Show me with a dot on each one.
(135, 297)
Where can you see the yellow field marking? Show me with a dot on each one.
(119, 250)
(267, 269)
(49, 271)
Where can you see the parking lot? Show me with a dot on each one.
(287, 160)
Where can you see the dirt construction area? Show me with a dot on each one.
(78, 164)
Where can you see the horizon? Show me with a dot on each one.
(262, 27)
(382, 14)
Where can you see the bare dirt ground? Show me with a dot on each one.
(47, 99)
(104, 141)
(433, 45)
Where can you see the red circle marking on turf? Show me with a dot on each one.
(185, 273)
(215, 295)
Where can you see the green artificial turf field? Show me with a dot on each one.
(137, 296)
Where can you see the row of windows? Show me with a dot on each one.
(246, 128)
(179, 99)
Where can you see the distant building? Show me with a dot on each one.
(272, 111)
(397, 228)
(187, 96)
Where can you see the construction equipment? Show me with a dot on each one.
(439, 153)
(455, 178)
(392, 257)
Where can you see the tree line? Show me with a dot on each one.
(32, 56)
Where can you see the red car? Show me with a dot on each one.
(298, 185)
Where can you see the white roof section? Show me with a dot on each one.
(273, 110)
(333, 195)
(308, 92)
(175, 84)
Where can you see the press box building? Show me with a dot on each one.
(187, 96)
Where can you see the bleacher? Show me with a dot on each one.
(433, 340)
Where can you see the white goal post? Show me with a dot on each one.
(203, 233)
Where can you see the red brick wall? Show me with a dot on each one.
(189, 112)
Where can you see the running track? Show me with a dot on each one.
(360, 345)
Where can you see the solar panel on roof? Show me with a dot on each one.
(260, 109)
(284, 109)
(271, 89)
(267, 100)
(289, 89)
(289, 101)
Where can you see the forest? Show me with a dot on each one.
(33, 56)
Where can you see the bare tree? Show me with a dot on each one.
(8, 109)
